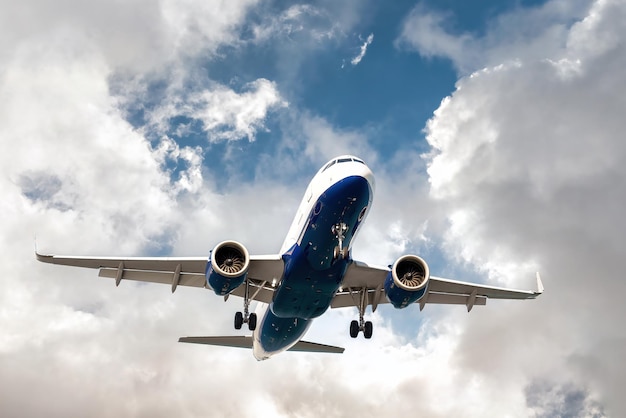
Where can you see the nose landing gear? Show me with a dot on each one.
(339, 230)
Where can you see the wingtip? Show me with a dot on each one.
(539, 284)
(44, 258)
(39, 256)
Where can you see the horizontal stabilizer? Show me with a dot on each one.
(234, 341)
(316, 348)
(246, 342)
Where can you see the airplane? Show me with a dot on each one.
(313, 271)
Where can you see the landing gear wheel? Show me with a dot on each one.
(367, 330)
(354, 329)
(238, 320)
(361, 324)
(339, 231)
(340, 254)
(252, 322)
(246, 317)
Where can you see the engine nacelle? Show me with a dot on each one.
(407, 281)
(227, 267)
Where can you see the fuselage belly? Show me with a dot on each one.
(340, 194)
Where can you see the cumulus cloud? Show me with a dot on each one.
(88, 181)
(223, 113)
(228, 115)
(529, 164)
(519, 137)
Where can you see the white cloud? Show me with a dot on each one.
(224, 113)
(77, 173)
(424, 30)
(194, 26)
(133, 36)
(297, 18)
(531, 161)
(229, 115)
(356, 60)
(310, 24)
(530, 34)
(532, 176)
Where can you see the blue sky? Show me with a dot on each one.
(390, 93)
(494, 130)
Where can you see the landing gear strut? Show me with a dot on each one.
(361, 324)
(339, 230)
(246, 317)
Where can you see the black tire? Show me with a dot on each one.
(238, 320)
(345, 253)
(354, 329)
(367, 331)
(252, 322)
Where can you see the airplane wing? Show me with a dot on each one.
(264, 270)
(175, 271)
(362, 278)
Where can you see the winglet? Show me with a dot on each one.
(44, 258)
(539, 284)
(40, 257)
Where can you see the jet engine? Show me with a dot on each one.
(227, 267)
(407, 281)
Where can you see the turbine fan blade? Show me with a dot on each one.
(412, 278)
(231, 261)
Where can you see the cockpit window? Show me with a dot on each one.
(342, 160)
(329, 165)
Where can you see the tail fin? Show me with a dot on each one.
(246, 342)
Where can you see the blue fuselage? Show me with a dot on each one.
(313, 273)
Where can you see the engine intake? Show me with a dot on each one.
(227, 267)
(407, 281)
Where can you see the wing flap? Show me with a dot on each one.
(260, 291)
(186, 279)
(448, 299)
(343, 300)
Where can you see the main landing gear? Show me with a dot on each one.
(246, 317)
(361, 324)
(339, 230)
